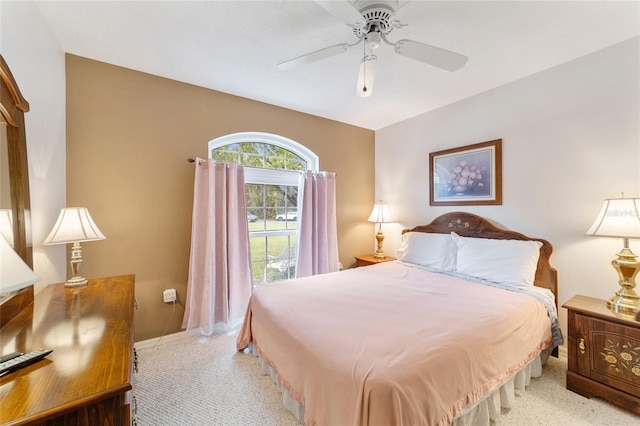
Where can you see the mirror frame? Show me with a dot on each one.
(12, 108)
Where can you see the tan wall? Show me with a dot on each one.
(128, 137)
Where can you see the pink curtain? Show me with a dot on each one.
(220, 281)
(317, 229)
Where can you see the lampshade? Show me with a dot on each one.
(381, 213)
(14, 273)
(74, 225)
(366, 76)
(6, 225)
(619, 217)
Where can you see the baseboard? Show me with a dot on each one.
(169, 338)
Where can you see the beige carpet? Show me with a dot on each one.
(203, 381)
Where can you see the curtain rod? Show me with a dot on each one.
(192, 160)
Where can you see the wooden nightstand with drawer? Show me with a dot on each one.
(603, 353)
(369, 259)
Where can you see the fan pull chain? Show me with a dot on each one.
(364, 63)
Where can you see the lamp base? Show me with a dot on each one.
(379, 238)
(626, 300)
(76, 264)
(76, 282)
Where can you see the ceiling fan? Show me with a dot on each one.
(372, 21)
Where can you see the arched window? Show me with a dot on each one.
(272, 167)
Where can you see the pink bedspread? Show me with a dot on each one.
(391, 344)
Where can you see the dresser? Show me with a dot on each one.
(603, 353)
(87, 379)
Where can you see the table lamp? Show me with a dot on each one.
(380, 214)
(74, 225)
(620, 217)
(15, 274)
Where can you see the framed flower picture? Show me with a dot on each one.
(468, 175)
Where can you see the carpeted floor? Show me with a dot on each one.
(203, 381)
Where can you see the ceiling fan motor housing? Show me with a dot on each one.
(377, 18)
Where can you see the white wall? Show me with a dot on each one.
(37, 63)
(571, 138)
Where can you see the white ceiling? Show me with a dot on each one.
(235, 46)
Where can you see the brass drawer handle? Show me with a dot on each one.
(581, 346)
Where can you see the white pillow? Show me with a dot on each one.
(437, 251)
(511, 262)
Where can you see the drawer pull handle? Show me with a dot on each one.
(581, 346)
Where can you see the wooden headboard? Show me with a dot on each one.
(470, 225)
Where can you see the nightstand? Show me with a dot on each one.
(369, 259)
(604, 353)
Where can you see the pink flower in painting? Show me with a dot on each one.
(465, 176)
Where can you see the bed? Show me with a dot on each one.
(444, 335)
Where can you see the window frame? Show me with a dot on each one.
(258, 175)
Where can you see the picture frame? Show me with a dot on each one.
(468, 175)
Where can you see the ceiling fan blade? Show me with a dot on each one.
(342, 10)
(441, 58)
(313, 56)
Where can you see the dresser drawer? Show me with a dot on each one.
(608, 353)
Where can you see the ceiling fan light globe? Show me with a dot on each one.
(373, 40)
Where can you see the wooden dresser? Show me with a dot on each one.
(87, 379)
(604, 353)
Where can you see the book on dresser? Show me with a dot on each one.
(87, 378)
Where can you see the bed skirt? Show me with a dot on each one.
(477, 414)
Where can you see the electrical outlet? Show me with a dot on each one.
(169, 295)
